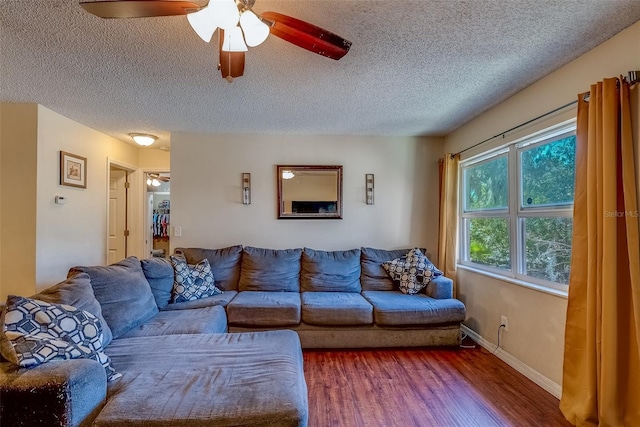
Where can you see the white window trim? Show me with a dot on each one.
(515, 211)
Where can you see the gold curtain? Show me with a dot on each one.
(448, 233)
(601, 372)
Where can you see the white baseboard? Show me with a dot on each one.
(535, 376)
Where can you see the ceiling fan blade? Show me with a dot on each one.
(231, 63)
(307, 36)
(139, 8)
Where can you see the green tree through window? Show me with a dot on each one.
(548, 173)
(487, 186)
(538, 227)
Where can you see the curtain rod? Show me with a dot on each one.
(633, 77)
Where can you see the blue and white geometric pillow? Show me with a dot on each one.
(192, 281)
(411, 272)
(34, 332)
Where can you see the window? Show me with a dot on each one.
(487, 202)
(517, 209)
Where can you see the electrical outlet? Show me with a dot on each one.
(504, 321)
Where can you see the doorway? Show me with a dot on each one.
(158, 213)
(118, 213)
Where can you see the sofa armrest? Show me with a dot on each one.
(58, 393)
(440, 288)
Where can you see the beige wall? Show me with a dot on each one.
(18, 186)
(153, 160)
(41, 239)
(536, 319)
(207, 204)
(73, 233)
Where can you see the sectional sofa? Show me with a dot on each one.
(230, 359)
(336, 299)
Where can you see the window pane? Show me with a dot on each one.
(548, 172)
(487, 185)
(548, 248)
(489, 242)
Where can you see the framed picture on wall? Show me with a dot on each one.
(73, 170)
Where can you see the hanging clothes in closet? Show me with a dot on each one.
(161, 220)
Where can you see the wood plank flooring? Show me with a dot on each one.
(423, 387)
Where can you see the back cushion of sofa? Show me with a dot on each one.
(276, 270)
(335, 271)
(225, 264)
(123, 293)
(77, 292)
(374, 277)
(159, 274)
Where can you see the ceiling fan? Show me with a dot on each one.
(239, 27)
(156, 179)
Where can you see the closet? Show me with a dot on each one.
(159, 214)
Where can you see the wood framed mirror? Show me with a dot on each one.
(309, 192)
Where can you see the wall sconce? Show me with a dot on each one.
(369, 188)
(246, 188)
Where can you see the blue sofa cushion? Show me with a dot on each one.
(335, 308)
(270, 270)
(240, 379)
(207, 320)
(374, 277)
(224, 262)
(255, 308)
(159, 274)
(77, 292)
(35, 332)
(393, 308)
(123, 293)
(220, 299)
(192, 281)
(412, 272)
(336, 271)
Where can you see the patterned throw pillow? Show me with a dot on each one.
(192, 281)
(412, 272)
(34, 332)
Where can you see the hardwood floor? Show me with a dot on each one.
(423, 387)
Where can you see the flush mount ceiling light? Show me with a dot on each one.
(143, 139)
(238, 27)
(287, 175)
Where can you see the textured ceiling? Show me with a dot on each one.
(416, 67)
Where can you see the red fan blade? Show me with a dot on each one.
(307, 36)
(139, 8)
(231, 63)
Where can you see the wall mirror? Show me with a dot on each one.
(311, 192)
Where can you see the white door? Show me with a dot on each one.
(117, 215)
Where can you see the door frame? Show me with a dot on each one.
(146, 214)
(131, 222)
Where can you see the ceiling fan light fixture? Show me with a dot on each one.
(255, 31)
(287, 174)
(224, 13)
(143, 139)
(202, 23)
(234, 41)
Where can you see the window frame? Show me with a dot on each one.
(465, 216)
(515, 213)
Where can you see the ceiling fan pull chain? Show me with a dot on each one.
(229, 78)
